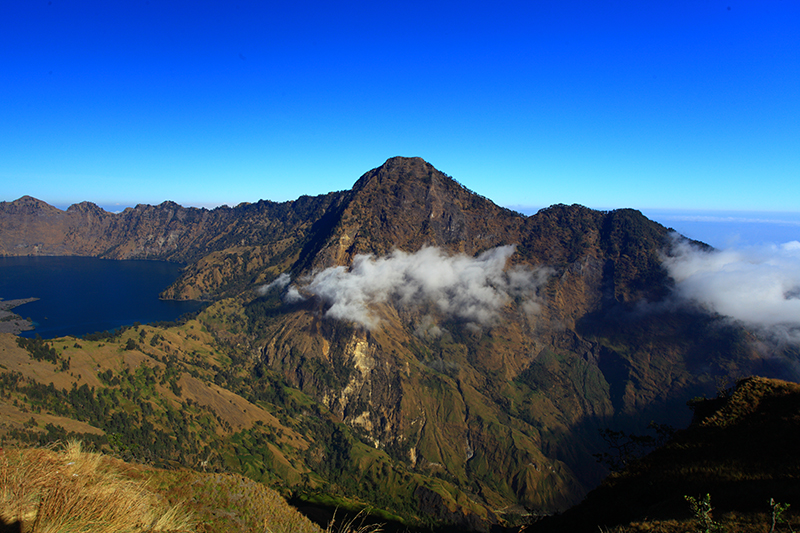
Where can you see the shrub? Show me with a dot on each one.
(701, 510)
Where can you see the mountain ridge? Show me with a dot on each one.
(399, 203)
(465, 352)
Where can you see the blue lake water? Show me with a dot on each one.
(80, 295)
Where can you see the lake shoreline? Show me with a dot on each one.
(11, 322)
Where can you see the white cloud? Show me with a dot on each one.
(278, 283)
(473, 289)
(759, 286)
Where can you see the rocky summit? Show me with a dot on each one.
(432, 355)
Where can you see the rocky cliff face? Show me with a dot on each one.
(407, 204)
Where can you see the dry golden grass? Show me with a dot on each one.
(230, 502)
(70, 490)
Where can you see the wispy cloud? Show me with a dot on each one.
(758, 286)
(278, 283)
(472, 289)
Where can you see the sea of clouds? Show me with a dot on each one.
(758, 286)
(470, 289)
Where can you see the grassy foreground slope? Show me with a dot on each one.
(70, 490)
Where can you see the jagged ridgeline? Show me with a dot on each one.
(406, 345)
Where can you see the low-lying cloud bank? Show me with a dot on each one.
(472, 289)
(758, 286)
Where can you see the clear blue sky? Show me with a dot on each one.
(662, 104)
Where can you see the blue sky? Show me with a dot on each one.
(661, 105)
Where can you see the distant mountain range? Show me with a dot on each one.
(420, 349)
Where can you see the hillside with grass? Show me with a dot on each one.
(738, 462)
(69, 489)
(173, 398)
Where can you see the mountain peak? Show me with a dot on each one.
(28, 205)
(406, 204)
(403, 160)
(397, 169)
(86, 207)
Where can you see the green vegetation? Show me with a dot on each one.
(138, 397)
(39, 349)
(701, 510)
(779, 515)
(194, 397)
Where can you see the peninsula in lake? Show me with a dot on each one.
(11, 322)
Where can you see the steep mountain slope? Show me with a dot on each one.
(177, 398)
(432, 354)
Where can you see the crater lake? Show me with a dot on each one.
(80, 295)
